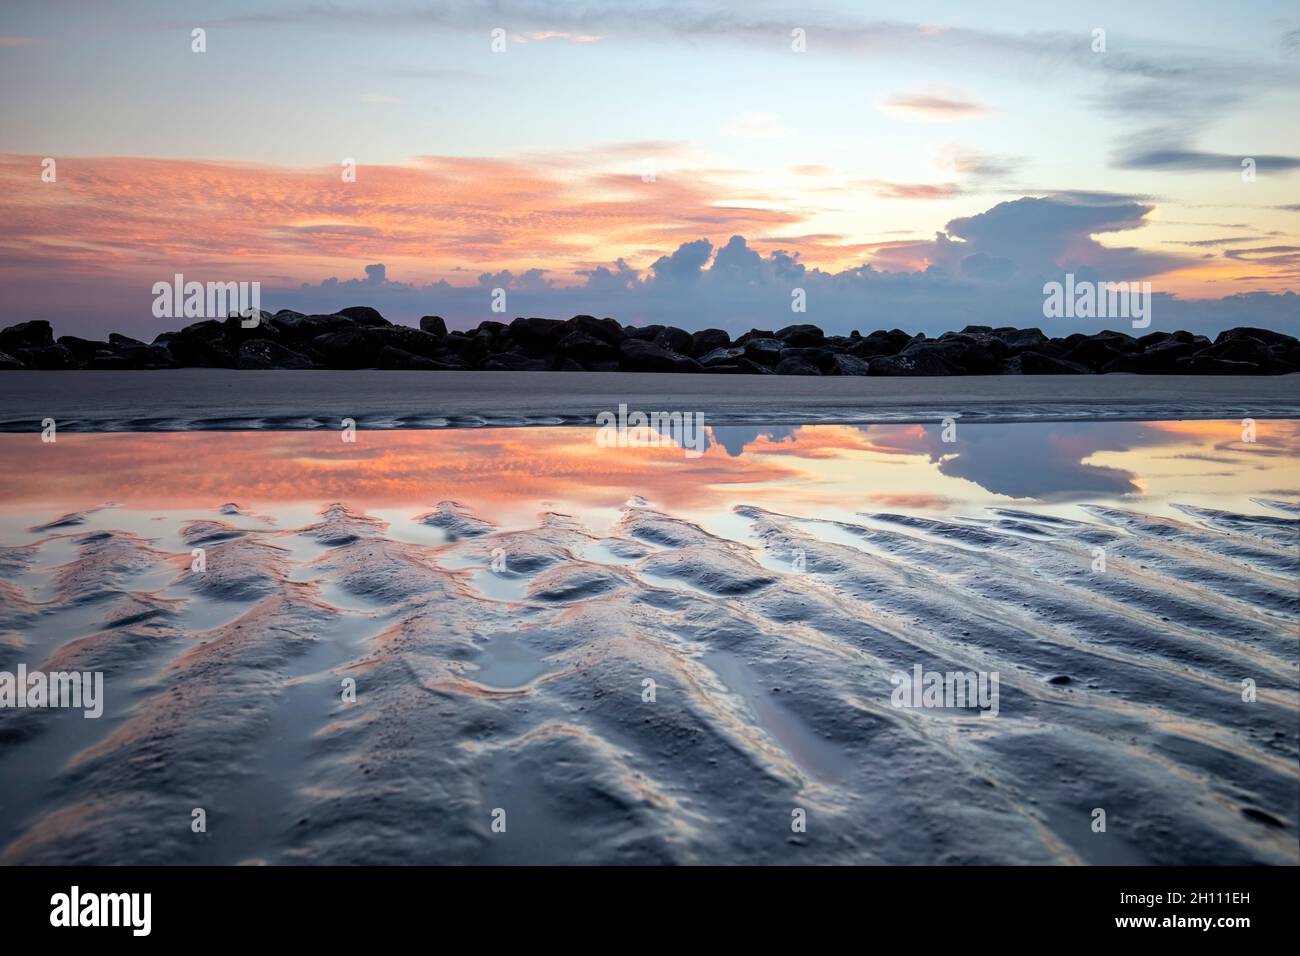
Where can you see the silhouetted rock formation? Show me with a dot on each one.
(360, 337)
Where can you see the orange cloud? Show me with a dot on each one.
(144, 217)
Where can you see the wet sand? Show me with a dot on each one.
(501, 662)
(184, 399)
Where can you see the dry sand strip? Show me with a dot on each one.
(195, 399)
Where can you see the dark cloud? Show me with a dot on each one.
(1191, 161)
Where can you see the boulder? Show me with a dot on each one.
(912, 362)
(35, 334)
(764, 351)
(433, 324)
(880, 343)
(962, 355)
(353, 347)
(707, 340)
(796, 366)
(722, 356)
(407, 339)
(8, 363)
(536, 336)
(83, 350)
(822, 359)
(46, 357)
(638, 355)
(607, 330)
(849, 365)
(801, 336)
(584, 349)
(1202, 364)
(1036, 363)
(395, 358)
(514, 362)
(675, 340)
(364, 315)
(263, 353)
(1093, 353)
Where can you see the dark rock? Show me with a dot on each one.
(9, 363)
(83, 350)
(236, 329)
(536, 336)
(434, 325)
(986, 341)
(801, 336)
(648, 332)
(796, 366)
(1259, 816)
(961, 353)
(607, 330)
(263, 353)
(514, 362)
(106, 360)
(407, 339)
(466, 347)
(706, 340)
(585, 349)
(1036, 363)
(1202, 364)
(755, 334)
(348, 348)
(753, 368)
(1093, 353)
(822, 359)
(765, 351)
(638, 355)
(1159, 359)
(1120, 341)
(35, 334)
(46, 357)
(912, 362)
(880, 343)
(1263, 336)
(675, 340)
(364, 315)
(395, 358)
(722, 356)
(1059, 679)
(1021, 340)
(148, 356)
(849, 365)
(304, 328)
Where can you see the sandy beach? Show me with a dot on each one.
(174, 400)
(639, 657)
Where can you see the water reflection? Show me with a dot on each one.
(820, 466)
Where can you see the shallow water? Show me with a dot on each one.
(642, 656)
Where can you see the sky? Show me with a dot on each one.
(921, 166)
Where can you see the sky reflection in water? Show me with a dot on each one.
(511, 474)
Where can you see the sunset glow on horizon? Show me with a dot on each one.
(601, 160)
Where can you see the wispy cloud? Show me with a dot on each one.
(935, 106)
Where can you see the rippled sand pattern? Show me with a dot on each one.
(522, 688)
